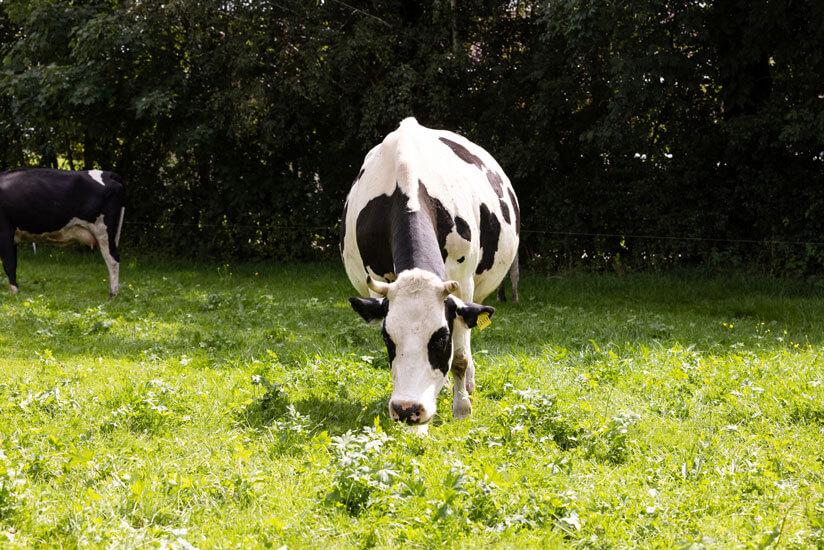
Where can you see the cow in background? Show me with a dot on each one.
(58, 206)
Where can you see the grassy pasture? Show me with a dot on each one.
(244, 406)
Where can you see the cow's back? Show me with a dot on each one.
(468, 200)
(39, 200)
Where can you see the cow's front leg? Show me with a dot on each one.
(469, 378)
(463, 372)
(8, 254)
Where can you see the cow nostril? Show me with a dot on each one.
(408, 412)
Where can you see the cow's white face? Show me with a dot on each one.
(417, 315)
(416, 332)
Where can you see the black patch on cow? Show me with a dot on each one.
(505, 211)
(496, 182)
(463, 228)
(391, 239)
(343, 225)
(390, 345)
(438, 214)
(373, 234)
(490, 233)
(517, 210)
(371, 309)
(440, 350)
(463, 153)
(461, 259)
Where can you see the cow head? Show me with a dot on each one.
(417, 313)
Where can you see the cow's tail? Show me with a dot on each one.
(119, 226)
(113, 212)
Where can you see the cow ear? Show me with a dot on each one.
(469, 312)
(371, 309)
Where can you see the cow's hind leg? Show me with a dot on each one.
(112, 223)
(105, 236)
(514, 275)
(112, 261)
(8, 252)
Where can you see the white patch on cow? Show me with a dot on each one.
(406, 160)
(416, 311)
(97, 175)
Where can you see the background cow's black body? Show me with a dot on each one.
(43, 204)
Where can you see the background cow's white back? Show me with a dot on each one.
(428, 207)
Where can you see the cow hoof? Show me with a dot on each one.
(461, 408)
(12, 289)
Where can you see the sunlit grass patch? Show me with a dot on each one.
(245, 406)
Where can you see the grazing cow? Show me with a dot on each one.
(430, 227)
(58, 206)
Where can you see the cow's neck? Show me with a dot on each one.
(414, 240)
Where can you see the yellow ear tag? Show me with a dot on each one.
(483, 321)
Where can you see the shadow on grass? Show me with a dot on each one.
(176, 308)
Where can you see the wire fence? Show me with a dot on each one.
(162, 225)
(673, 238)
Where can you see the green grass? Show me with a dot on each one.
(244, 406)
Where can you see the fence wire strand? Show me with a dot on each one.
(529, 231)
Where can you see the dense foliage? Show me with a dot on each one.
(637, 134)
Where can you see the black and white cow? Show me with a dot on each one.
(58, 206)
(429, 229)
